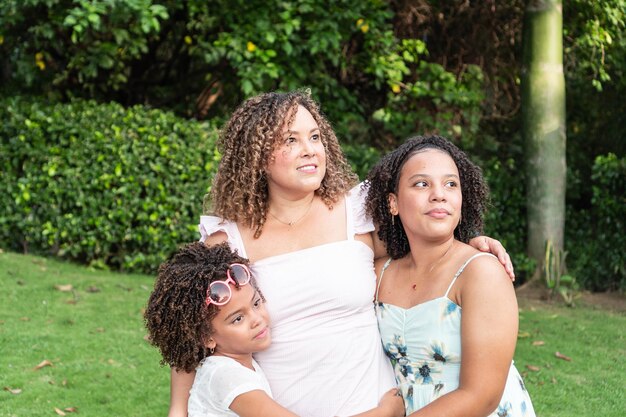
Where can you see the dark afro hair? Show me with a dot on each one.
(383, 180)
(177, 317)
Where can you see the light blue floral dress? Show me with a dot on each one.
(424, 345)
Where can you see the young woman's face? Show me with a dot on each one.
(242, 325)
(428, 198)
(298, 164)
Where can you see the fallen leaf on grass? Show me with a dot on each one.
(20, 282)
(13, 391)
(59, 411)
(25, 318)
(562, 356)
(64, 288)
(539, 343)
(93, 288)
(42, 364)
(523, 335)
(533, 368)
(71, 409)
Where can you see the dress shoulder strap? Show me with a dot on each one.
(462, 268)
(380, 279)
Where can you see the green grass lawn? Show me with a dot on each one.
(93, 336)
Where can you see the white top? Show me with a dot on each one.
(219, 380)
(326, 357)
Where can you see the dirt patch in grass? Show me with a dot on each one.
(536, 293)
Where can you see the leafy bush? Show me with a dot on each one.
(596, 237)
(101, 184)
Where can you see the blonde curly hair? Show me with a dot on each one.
(240, 192)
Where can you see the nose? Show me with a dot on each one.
(437, 193)
(307, 148)
(256, 319)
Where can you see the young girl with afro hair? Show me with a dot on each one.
(207, 314)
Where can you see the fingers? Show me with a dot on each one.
(505, 259)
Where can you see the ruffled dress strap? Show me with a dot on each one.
(358, 222)
(462, 268)
(212, 224)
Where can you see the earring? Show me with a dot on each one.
(212, 350)
(393, 220)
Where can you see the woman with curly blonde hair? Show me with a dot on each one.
(284, 196)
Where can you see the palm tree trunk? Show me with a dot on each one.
(543, 124)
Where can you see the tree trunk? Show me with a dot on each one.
(543, 124)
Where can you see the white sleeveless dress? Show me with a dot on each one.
(326, 357)
(424, 344)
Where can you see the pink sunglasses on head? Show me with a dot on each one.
(219, 292)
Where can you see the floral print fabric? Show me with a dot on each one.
(424, 345)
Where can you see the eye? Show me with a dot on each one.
(451, 184)
(258, 302)
(315, 138)
(420, 184)
(237, 319)
(290, 140)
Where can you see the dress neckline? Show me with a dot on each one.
(423, 303)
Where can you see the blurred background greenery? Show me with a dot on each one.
(110, 110)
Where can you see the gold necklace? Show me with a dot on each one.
(291, 223)
(414, 286)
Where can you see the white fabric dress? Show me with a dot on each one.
(326, 357)
(219, 380)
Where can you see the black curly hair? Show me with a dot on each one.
(177, 317)
(383, 180)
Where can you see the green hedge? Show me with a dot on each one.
(122, 188)
(101, 184)
(596, 236)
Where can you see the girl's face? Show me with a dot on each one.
(428, 198)
(298, 164)
(242, 325)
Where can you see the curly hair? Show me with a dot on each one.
(239, 191)
(383, 180)
(177, 317)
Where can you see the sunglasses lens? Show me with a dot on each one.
(220, 293)
(239, 273)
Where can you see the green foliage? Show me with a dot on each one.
(201, 57)
(596, 41)
(598, 235)
(86, 44)
(506, 218)
(555, 274)
(101, 184)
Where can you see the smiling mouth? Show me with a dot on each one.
(307, 168)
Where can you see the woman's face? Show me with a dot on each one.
(298, 164)
(428, 197)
